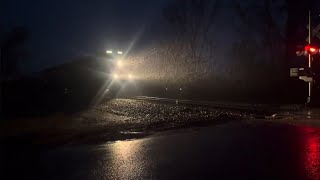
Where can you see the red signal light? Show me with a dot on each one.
(311, 49)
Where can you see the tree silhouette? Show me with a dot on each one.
(190, 48)
(12, 50)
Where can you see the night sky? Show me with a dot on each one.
(62, 30)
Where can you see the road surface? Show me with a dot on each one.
(250, 149)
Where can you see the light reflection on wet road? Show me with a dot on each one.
(131, 164)
(245, 150)
(312, 153)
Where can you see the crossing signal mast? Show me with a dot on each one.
(310, 50)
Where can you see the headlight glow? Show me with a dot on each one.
(115, 76)
(119, 63)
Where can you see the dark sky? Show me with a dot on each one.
(64, 29)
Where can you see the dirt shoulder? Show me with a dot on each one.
(116, 119)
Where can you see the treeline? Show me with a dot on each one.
(12, 50)
(249, 64)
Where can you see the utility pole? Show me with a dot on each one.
(309, 60)
(1, 83)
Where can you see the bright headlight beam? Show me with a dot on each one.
(119, 52)
(109, 52)
(115, 76)
(119, 63)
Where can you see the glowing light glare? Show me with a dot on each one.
(124, 154)
(115, 76)
(130, 76)
(109, 52)
(119, 52)
(313, 49)
(119, 63)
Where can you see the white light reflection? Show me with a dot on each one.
(125, 149)
(127, 159)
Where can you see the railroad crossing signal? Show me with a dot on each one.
(301, 72)
(306, 79)
(294, 72)
(312, 50)
(308, 49)
(304, 74)
(301, 51)
(315, 32)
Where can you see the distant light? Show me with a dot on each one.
(119, 52)
(130, 76)
(115, 76)
(119, 63)
(109, 52)
(166, 89)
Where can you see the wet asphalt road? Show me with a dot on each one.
(234, 150)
